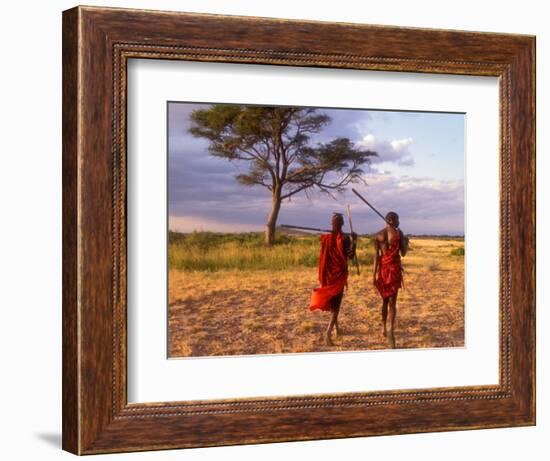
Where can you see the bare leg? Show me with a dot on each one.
(335, 310)
(331, 323)
(384, 314)
(392, 312)
(337, 304)
(339, 331)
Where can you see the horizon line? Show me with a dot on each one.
(305, 232)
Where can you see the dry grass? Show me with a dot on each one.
(236, 312)
(213, 252)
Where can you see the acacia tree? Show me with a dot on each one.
(276, 144)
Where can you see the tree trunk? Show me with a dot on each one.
(272, 220)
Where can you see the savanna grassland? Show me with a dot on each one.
(229, 294)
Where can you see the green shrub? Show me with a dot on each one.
(458, 251)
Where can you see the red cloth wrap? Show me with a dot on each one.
(333, 271)
(390, 277)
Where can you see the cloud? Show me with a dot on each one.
(190, 223)
(346, 123)
(401, 144)
(395, 151)
(425, 206)
(204, 194)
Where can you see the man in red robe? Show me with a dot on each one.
(336, 248)
(389, 244)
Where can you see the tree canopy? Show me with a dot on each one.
(277, 144)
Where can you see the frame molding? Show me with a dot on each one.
(97, 43)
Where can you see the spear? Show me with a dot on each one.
(315, 229)
(371, 207)
(355, 260)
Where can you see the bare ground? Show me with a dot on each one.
(261, 312)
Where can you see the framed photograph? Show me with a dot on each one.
(281, 230)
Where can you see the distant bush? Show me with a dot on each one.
(456, 238)
(458, 251)
(433, 266)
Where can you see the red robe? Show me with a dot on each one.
(390, 277)
(333, 271)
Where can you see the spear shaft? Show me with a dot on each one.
(288, 226)
(315, 229)
(371, 207)
(355, 260)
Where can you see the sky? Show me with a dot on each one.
(418, 173)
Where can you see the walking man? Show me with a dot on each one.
(389, 244)
(336, 249)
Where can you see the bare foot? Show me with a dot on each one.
(328, 340)
(391, 340)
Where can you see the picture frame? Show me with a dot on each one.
(97, 44)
